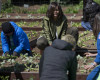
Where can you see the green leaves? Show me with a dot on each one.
(82, 61)
(4, 77)
(74, 8)
(86, 39)
(42, 9)
(74, 24)
(19, 64)
(32, 34)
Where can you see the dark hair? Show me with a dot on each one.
(51, 9)
(90, 10)
(7, 27)
(96, 25)
(42, 43)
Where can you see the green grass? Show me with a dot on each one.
(27, 24)
(74, 8)
(42, 9)
(71, 8)
(98, 1)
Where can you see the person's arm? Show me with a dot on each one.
(88, 54)
(73, 69)
(88, 67)
(5, 45)
(22, 37)
(97, 60)
(64, 27)
(46, 32)
(41, 64)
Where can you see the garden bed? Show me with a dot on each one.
(27, 67)
(30, 16)
(86, 40)
(18, 68)
(36, 17)
(33, 76)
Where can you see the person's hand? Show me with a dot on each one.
(41, 51)
(15, 53)
(88, 67)
(6, 53)
(90, 54)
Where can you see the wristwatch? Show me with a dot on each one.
(94, 65)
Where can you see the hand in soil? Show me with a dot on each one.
(15, 54)
(7, 53)
(88, 67)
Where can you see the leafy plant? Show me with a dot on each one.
(74, 24)
(74, 9)
(30, 16)
(4, 77)
(17, 17)
(98, 1)
(8, 16)
(42, 9)
(31, 78)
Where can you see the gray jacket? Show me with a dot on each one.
(57, 60)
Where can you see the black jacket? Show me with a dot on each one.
(56, 60)
(89, 11)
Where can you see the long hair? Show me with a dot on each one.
(96, 25)
(51, 9)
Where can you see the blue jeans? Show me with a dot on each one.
(86, 25)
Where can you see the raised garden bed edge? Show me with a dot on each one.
(34, 75)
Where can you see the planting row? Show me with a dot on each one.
(86, 38)
(33, 20)
(30, 65)
(9, 8)
(39, 24)
(38, 16)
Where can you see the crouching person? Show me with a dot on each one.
(14, 40)
(58, 61)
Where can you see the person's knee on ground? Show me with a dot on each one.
(70, 39)
(74, 32)
(42, 43)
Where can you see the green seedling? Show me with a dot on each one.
(4, 77)
(17, 17)
(8, 16)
